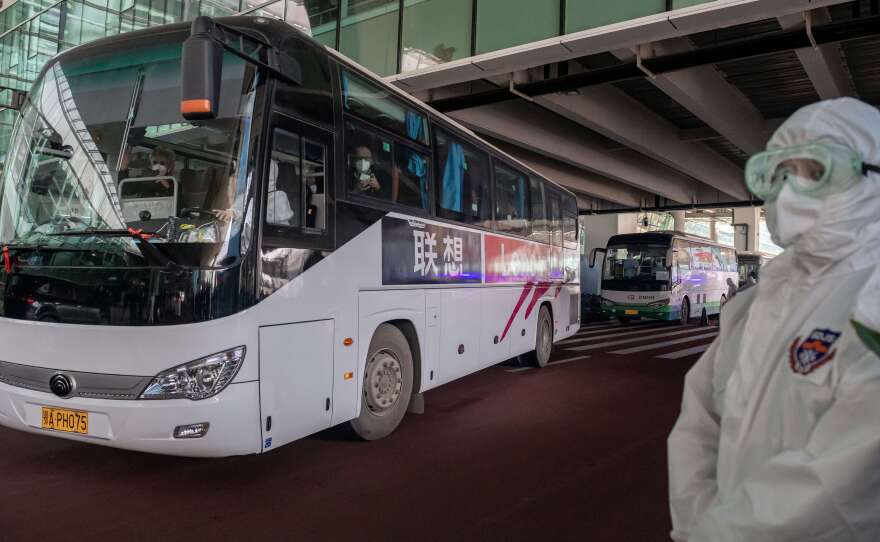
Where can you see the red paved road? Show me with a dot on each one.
(575, 451)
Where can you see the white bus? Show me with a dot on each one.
(664, 276)
(223, 237)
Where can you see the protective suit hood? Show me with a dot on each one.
(844, 230)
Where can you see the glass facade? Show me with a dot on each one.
(368, 33)
(584, 14)
(502, 23)
(386, 36)
(435, 31)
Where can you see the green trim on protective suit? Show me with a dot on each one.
(870, 337)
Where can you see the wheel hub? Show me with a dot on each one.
(384, 380)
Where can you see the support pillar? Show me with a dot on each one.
(678, 220)
(750, 217)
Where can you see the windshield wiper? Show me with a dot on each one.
(150, 251)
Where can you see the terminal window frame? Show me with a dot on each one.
(390, 147)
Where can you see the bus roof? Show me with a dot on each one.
(664, 237)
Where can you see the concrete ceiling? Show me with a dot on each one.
(683, 137)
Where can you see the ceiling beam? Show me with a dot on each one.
(613, 113)
(543, 132)
(706, 93)
(824, 64)
(579, 180)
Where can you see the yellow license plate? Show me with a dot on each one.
(630, 311)
(62, 419)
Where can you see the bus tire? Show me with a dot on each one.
(540, 356)
(704, 318)
(388, 381)
(685, 312)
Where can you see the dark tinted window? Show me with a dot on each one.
(376, 105)
(313, 99)
(569, 220)
(463, 181)
(539, 213)
(296, 189)
(382, 167)
(555, 218)
(511, 200)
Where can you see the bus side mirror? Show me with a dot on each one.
(200, 71)
(593, 256)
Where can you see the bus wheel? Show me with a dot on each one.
(704, 318)
(388, 381)
(540, 356)
(685, 313)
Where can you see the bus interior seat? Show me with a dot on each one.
(193, 188)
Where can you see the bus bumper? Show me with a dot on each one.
(636, 311)
(148, 426)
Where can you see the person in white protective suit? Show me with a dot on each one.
(779, 433)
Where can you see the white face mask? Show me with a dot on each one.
(791, 215)
(362, 165)
(160, 169)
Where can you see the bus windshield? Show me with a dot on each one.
(101, 147)
(633, 262)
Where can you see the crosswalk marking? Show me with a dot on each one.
(567, 360)
(620, 328)
(654, 346)
(519, 369)
(612, 324)
(687, 352)
(580, 339)
(632, 339)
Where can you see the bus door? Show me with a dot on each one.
(296, 356)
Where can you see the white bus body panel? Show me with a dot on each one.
(296, 380)
(342, 296)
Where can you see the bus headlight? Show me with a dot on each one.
(659, 302)
(197, 379)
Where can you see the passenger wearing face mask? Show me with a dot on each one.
(363, 173)
(779, 433)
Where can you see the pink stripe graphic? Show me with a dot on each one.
(522, 298)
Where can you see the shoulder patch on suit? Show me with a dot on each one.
(813, 352)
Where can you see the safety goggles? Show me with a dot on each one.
(815, 169)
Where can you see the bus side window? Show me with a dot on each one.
(511, 201)
(463, 181)
(569, 221)
(555, 219)
(539, 212)
(684, 259)
(375, 104)
(296, 185)
(284, 185)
